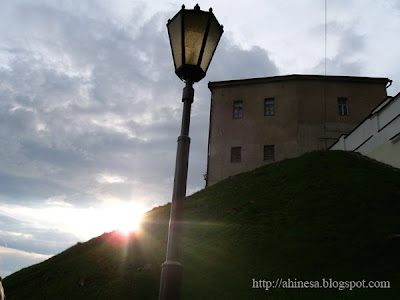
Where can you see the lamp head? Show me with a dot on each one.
(194, 35)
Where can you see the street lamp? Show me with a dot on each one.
(194, 35)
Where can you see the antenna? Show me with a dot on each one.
(325, 79)
(326, 30)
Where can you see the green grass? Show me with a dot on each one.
(326, 214)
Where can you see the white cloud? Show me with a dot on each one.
(107, 178)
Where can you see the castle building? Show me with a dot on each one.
(262, 120)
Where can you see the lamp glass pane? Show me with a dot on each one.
(195, 23)
(214, 35)
(175, 37)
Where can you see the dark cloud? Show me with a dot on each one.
(84, 96)
(393, 4)
(233, 62)
(348, 58)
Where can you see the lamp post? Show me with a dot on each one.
(194, 35)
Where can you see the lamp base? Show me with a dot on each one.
(171, 276)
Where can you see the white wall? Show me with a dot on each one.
(375, 137)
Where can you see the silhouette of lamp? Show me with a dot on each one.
(194, 35)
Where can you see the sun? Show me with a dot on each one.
(88, 222)
(85, 222)
(127, 224)
(125, 218)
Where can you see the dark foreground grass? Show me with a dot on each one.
(327, 214)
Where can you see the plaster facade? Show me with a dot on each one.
(305, 117)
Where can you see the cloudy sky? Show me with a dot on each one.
(90, 106)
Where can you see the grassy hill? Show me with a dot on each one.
(326, 214)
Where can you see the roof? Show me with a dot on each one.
(263, 80)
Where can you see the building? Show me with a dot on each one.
(262, 120)
(378, 136)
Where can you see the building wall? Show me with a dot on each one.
(378, 136)
(303, 120)
(388, 153)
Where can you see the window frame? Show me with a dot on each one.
(270, 112)
(237, 110)
(267, 152)
(343, 106)
(236, 157)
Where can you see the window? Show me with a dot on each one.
(269, 107)
(269, 152)
(343, 106)
(236, 154)
(238, 109)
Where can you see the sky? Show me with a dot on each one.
(90, 106)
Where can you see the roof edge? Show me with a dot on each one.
(261, 80)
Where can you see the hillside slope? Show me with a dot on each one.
(326, 214)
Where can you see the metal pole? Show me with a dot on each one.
(171, 270)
